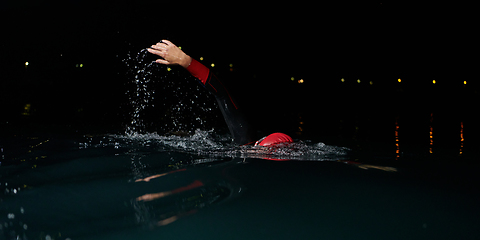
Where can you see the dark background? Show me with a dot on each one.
(267, 44)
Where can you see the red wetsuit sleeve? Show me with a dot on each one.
(199, 71)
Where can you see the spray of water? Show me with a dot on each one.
(165, 99)
(141, 95)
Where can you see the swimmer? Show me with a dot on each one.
(241, 131)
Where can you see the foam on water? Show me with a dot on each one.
(207, 144)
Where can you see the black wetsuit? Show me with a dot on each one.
(237, 124)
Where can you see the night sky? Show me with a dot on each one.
(372, 36)
(268, 45)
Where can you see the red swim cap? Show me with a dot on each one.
(274, 139)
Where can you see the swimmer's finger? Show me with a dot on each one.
(156, 52)
(168, 43)
(161, 61)
(159, 46)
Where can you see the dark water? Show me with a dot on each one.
(115, 186)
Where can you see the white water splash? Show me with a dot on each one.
(141, 95)
(207, 144)
(165, 99)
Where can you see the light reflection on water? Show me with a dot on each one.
(430, 138)
(461, 139)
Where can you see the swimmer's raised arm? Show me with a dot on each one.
(171, 54)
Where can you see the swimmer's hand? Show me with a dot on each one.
(171, 54)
